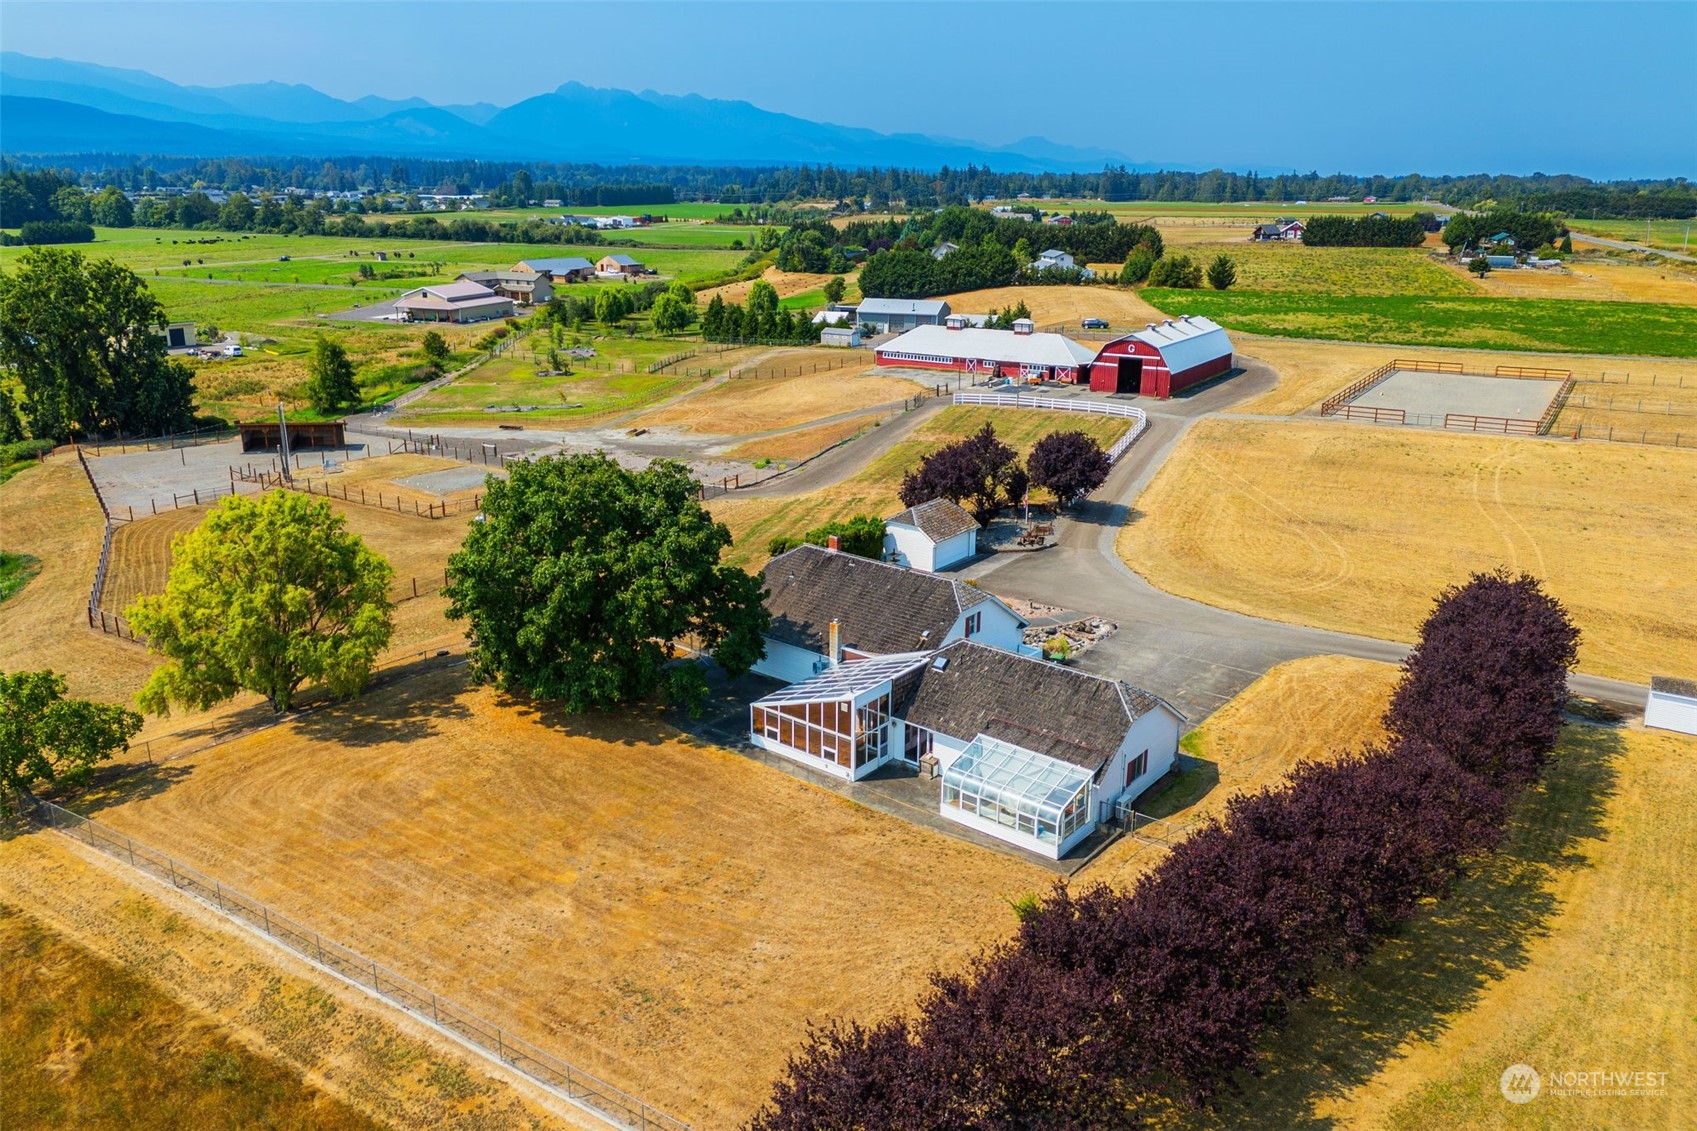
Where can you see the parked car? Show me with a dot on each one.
(282, 259)
(1095, 323)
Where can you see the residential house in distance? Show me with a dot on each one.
(943, 249)
(462, 301)
(828, 606)
(887, 315)
(1008, 212)
(616, 266)
(561, 269)
(1284, 228)
(1055, 257)
(1059, 221)
(931, 536)
(526, 288)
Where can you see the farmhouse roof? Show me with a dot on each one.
(1668, 685)
(558, 266)
(622, 260)
(943, 344)
(456, 292)
(939, 520)
(971, 689)
(881, 607)
(935, 307)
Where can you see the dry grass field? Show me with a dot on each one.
(148, 1011)
(797, 444)
(745, 406)
(379, 477)
(1315, 523)
(1311, 708)
(1592, 279)
(668, 915)
(1067, 305)
(788, 284)
(754, 521)
(1311, 371)
(50, 512)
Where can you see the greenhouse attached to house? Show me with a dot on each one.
(1018, 795)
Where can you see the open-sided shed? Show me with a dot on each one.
(1163, 359)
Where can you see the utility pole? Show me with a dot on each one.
(283, 442)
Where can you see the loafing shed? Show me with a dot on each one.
(1164, 359)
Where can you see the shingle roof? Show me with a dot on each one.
(1667, 685)
(882, 608)
(1053, 710)
(939, 520)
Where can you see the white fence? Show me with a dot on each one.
(1139, 420)
(615, 1107)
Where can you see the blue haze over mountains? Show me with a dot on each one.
(50, 106)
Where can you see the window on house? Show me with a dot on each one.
(974, 624)
(1136, 768)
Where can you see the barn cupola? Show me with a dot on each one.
(1024, 326)
(955, 321)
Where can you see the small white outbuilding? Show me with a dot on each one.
(931, 536)
(1672, 705)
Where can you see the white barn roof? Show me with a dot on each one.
(939, 343)
(934, 307)
(1186, 342)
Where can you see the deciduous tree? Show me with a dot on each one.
(47, 739)
(266, 594)
(330, 384)
(583, 575)
(835, 288)
(1069, 464)
(435, 348)
(980, 472)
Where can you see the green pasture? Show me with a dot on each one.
(806, 300)
(1669, 235)
(1257, 211)
(1559, 325)
(558, 401)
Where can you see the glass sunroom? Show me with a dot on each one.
(838, 721)
(1018, 795)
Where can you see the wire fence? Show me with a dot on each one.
(209, 435)
(358, 495)
(846, 360)
(484, 1037)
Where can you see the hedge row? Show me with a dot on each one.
(1108, 1005)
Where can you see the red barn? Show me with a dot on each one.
(1162, 360)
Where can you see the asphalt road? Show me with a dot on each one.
(1194, 655)
(1622, 245)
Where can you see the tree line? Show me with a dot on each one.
(757, 320)
(1365, 231)
(1110, 1007)
(883, 187)
(1529, 230)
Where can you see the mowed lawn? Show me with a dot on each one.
(664, 914)
(1356, 528)
(1481, 322)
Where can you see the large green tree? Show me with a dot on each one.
(330, 383)
(264, 595)
(79, 336)
(47, 739)
(584, 573)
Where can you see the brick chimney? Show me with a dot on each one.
(834, 643)
(833, 543)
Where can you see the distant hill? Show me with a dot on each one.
(60, 106)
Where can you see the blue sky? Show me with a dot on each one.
(1604, 90)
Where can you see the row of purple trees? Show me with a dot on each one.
(1106, 1005)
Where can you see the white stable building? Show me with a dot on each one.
(1672, 705)
(1021, 353)
(931, 536)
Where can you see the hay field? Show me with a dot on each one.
(1311, 708)
(107, 1048)
(754, 521)
(1597, 279)
(741, 407)
(788, 284)
(1341, 270)
(1311, 371)
(665, 914)
(1068, 305)
(50, 513)
(1318, 524)
(161, 1014)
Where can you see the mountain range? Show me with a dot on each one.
(57, 106)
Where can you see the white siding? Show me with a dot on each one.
(952, 551)
(1666, 711)
(788, 662)
(998, 627)
(1156, 732)
(910, 547)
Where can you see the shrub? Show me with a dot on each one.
(1176, 271)
(55, 231)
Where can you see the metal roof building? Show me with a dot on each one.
(900, 313)
(995, 353)
(1163, 359)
